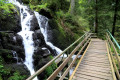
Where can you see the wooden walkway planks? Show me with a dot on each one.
(95, 64)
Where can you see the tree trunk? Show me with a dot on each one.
(115, 17)
(72, 5)
(96, 17)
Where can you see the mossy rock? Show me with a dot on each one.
(5, 51)
(9, 19)
(4, 34)
(7, 55)
(20, 69)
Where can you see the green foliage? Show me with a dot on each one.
(17, 76)
(2, 2)
(56, 5)
(6, 7)
(50, 69)
(39, 7)
(2, 70)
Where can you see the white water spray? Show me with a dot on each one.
(43, 24)
(26, 35)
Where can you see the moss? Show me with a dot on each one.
(4, 34)
(7, 8)
(39, 7)
(3, 71)
(5, 51)
(50, 69)
(16, 76)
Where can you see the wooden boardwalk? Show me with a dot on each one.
(95, 64)
(100, 61)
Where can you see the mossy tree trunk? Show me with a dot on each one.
(72, 5)
(115, 17)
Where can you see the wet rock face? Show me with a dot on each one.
(18, 40)
(13, 42)
(34, 24)
(38, 39)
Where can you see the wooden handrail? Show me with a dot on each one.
(55, 73)
(70, 66)
(116, 55)
(110, 60)
(70, 78)
(113, 62)
(50, 62)
(114, 40)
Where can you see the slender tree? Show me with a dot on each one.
(96, 16)
(115, 17)
(72, 5)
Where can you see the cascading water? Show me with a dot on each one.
(26, 35)
(43, 24)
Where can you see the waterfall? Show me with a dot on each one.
(43, 24)
(26, 34)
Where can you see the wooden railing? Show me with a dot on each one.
(114, 53)
(114, 40)
(82, 42)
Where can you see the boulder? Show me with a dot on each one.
(18, 39)
(38, 38)
(21, 68)
(34, 24)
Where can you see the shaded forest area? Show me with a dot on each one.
(69, 20)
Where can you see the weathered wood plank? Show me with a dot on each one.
(96, 72)
(99, 65)
(86, 77)
(95, 65)
(94, 75)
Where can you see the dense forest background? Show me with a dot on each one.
(69, 20)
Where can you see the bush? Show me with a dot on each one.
(17, 76)
(50, 69)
